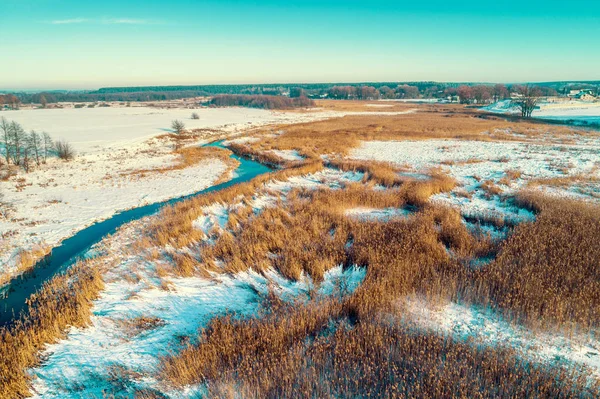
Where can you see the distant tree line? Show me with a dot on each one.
(9, 100)
(469, 92)
(27, 149)
(260, 101)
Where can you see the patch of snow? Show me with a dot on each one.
(241, 140)
(213, 216)
(64, 198)
(487, 327)
(288, 155)
(385, 214)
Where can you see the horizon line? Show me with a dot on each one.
(5, 90)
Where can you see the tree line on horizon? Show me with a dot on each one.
(471, 92)
(477, 94)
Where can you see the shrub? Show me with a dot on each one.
(64, 150)
(195, 115)
(178, 126)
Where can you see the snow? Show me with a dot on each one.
(91, 129)
(380, 105)
(214, 216)
(288, 155)
(362, 213)
(472, 163)
(488, 328)
(63, 198)
(579, 113)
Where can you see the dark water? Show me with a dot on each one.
(14, 295)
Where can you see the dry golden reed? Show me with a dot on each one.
(63, 301)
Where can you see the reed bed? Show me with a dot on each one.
(548, 271)
(63, 301)
(350, 346)
(338, 136)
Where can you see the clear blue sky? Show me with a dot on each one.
(89, 44)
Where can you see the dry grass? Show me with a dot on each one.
(565, 181)
(174, 226)
(347, 347)
(548, 271)
(140, 324)
(383, 173)
(266, 158)
(366, 106)
(490, 188)
(340, 135)
(63, 301)
(315, 349)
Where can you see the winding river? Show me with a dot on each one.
(13, 296)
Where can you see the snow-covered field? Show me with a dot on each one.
(577, 112)
(479, 164)
(91, 129)
(55, 200)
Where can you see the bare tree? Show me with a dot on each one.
(195, 115)
(43, 101)
(26, 153)
(47, 144)
(5, 127)
(64, 150)
(18, 140)
(178, 126)
(35, 146)
(528, 100)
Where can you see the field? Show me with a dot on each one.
(120, 152)
(397, 250)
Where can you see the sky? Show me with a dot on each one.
(54, 44)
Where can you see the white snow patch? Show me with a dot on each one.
(288, 155)
(213, 216)
(64, 198)
(79, 365)
(489, 328)
(363, 213)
